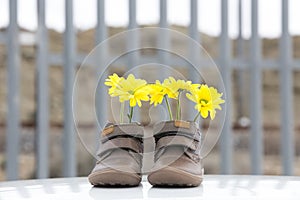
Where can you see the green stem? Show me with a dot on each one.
(196, 116)
(178, 113)
(169, 109)
(130, 115)
(122, 112)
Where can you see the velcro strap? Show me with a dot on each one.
(181, 128)
(126, 130)
(127, 143)
(177, 140)
(177, 133)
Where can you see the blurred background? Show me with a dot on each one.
(256, 45)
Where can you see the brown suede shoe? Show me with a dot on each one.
(120, 156)
(177, 155)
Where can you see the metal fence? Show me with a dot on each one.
(71, 58)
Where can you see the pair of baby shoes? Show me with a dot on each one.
(177, 159)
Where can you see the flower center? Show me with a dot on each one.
(131, 92)
(203, 101)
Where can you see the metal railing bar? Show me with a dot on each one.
(256, 136)
(101, 97)
(286, 94)
(226, 145)
(42, 130)
(69, 137)
(13, 89)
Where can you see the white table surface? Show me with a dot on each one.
(213, 187)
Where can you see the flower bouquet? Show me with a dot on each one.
(206, 99)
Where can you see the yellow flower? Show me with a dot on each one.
(207, 100)
(216, 101)
(193, 87)
(169, 87)
(113, 82)
(157, 93)
(132, 90)
(183, 85)
(173, 87)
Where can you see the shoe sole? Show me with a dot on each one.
(172, 177)
(114, 178)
